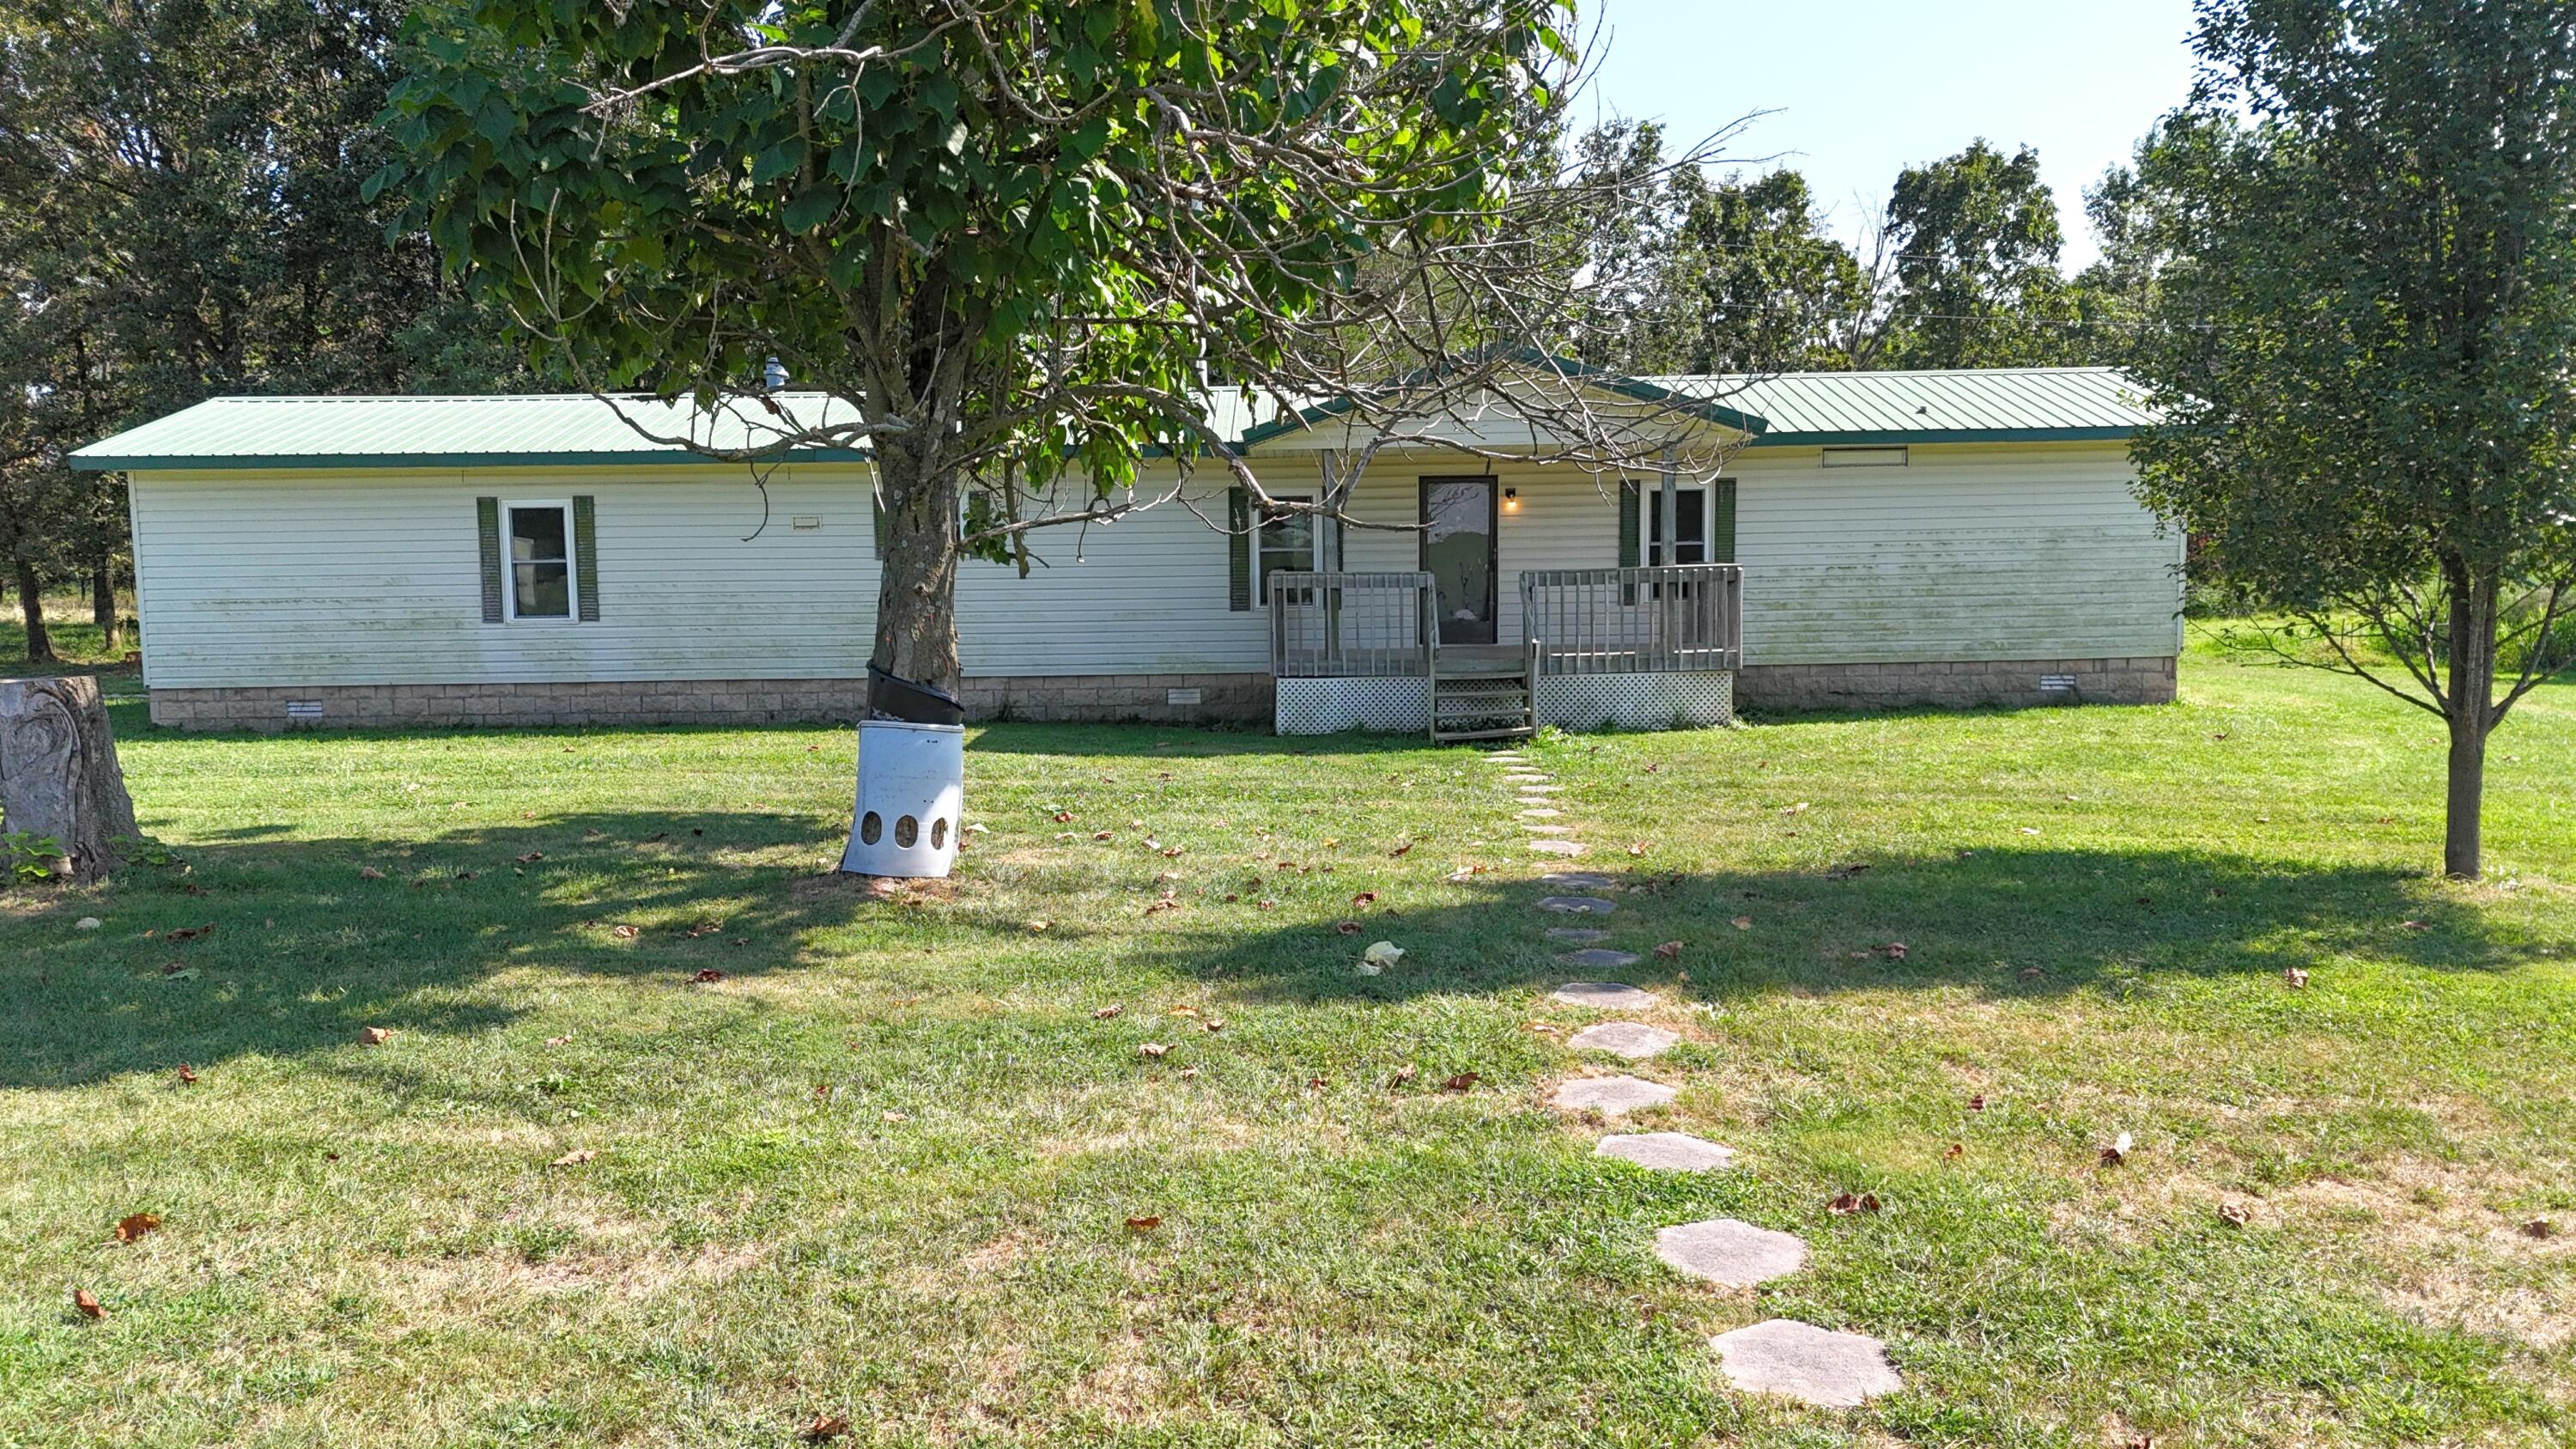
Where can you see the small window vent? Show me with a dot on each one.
(2057, 684)
(304, 711)
(1865, 457)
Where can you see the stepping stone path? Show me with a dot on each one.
(1631, 1039)
(1667, 1151)
(1611, 1096)
(1603, 995)
(1730, 1254)
(1779, 1356)
(1801, 1361)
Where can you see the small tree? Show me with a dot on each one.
(1974, 240)
(2363, 362)
(1017, 241)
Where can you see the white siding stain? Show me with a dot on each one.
(315, 577)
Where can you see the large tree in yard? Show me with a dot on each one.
(1017, 242)
(2367, 327)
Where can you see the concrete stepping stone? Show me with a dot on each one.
(1542, 789)
(1803, 1362)
(1667, 1151)
(1577, 935)
(1730, 1254)
(1600, 956)
(1536, 828)
(1611, 1096)
(1577, 880)
(1557, 847)
(1532, 776)
(1631, 1039)
(1541, 813)
(1604, 995)
(1576, 905)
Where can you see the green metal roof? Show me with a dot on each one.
(2063, 404)
(1963, 405)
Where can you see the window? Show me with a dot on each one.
(540, 542)
(1865, 457)
(1284, 541)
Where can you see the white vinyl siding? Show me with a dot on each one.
(311, 576)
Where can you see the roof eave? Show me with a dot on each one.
(175, 463)
(1943, 435)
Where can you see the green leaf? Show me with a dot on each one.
(812, 207)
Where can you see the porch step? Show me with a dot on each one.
(1481, 696)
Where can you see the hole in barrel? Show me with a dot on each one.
(871, 827)
(906, 831)
(939, 833)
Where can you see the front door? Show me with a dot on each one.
(1458, 553)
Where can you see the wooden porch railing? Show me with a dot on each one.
(1340, 625)
(1661, 619)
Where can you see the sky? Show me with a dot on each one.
(1861, 89)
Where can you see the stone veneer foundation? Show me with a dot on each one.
(1228, 698)
(1955, 686)
(1222, 698)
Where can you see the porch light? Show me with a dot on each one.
(1511, 500)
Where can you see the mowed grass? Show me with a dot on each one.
(884, 1168)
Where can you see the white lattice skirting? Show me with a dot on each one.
(1637, 701)
(1329, 706)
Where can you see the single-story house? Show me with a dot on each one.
(1878, 539)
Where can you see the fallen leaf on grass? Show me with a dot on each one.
(88, 1304)
(1639, 847)
(823, 1427)
(707, 976)
(1152, 1049)
(2118, 1151)
(625, 932)
(190, 933)
(1347, 928)
(1401, 848)
(2294, 977)
(376, 1036)
(1404, 1074)
(1895, 950)
(1317, 1084)
(2235, 1214)
(1182, 1011)
(1103, 1013)
(559, 1040)
(2539, 1228)
(2409, 925)
(1264, 905)
(1977, 1103)
(369, 872)
(1362, 899)
(893, 1116)
(1669, 951)
(1743, 923)
(187, 1075)
(1188, 1072)
(1065, 838)
(1104, 835)
(1145, 1224)
(1382, 953)
(1844, 1204)
(134, 1225)
(1214, 1023)
(1166, 903)
(1800, 808)
(580, 1155)
(1036, 926)
(1460, 1082)
(1954, 1152)
(1171, 851)
(1064, 817)
(532, 857)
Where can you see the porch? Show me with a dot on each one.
(1651, 647)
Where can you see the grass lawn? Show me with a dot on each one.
(884, 1167)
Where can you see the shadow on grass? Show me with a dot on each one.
(2011, 924)
(305, 950)
(252, 945)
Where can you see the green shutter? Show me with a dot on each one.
(1721, 521)
(1238, 537)
(585, 555)
(1629, 500)
(487, 517)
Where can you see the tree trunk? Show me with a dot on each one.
(102, 606)
(917, 579)
(31, 607)
(2472, 716)
(58, 772)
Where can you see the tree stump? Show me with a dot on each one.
(58, 773)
